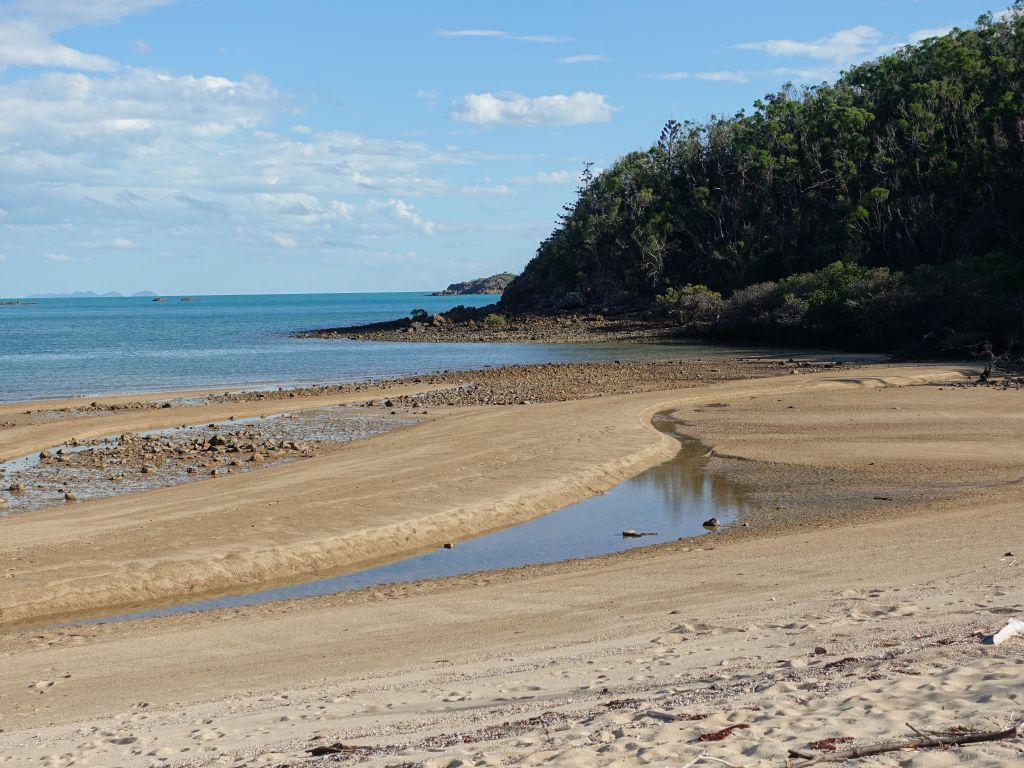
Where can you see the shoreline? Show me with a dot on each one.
(836, 621)
(254, 518)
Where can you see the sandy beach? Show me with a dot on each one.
(882, 546)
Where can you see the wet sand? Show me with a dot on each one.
(880, 553)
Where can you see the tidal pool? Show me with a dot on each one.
(670, 500)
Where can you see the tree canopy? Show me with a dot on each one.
(897, 191)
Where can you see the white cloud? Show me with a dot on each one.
(502, 35)
(923, 34)
(26, 45)
(515, 109)
(120, 243)
(487, 189)
(284, 241)
(426, 96)
(401, 211)
(840, 48)
(27, 28)
(723, 76)
(140, 46)
(720, 76)
(342, 210)
(470, 33)
(548, 177)
(583, 58)
(58, 258)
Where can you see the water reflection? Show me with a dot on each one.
(671, 499)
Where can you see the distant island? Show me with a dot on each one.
(495, 284)
(90, 295)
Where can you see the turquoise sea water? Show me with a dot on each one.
(65, 347)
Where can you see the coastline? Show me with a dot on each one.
(286, 522)
(879, 585)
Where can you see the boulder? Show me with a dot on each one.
(714, 522)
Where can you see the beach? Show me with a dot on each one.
(879, 551)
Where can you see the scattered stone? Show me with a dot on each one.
(44, 455)
(714, 522)
(449, 545)
(70, 496)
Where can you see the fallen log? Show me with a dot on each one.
(925, 742)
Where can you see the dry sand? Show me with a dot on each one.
(884, 545)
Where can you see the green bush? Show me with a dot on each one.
(691, 305)
(495, 320)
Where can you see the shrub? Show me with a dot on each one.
(691, 305)
(495, 320)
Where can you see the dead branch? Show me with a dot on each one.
(945, 740)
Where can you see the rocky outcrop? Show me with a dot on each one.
(495, 284)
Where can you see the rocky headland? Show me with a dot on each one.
(495, 284)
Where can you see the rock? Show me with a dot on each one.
(449, 545)
(16, 488)
(714, 522)
(256, 458)
(70, 496)
(4, 504)
(631, 534)
(236, 463)
(148, 469)
(45, 455)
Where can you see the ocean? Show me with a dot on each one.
(101, 346)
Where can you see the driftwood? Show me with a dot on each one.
(924, 742)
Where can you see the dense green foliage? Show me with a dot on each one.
(884, 210)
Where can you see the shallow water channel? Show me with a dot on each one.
(671, 499)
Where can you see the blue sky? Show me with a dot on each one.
(207, 146)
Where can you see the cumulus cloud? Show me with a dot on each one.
(400, 211)
(583, 58)
(548, 177)
(140, 46)
(515, 109)
(27, 28)
(840, 48)
(58, 258)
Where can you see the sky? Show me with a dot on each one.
(256, 146)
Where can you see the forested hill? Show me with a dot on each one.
(884, 210)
